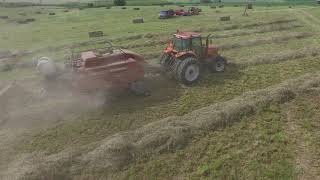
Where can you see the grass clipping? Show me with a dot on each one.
(164, 135)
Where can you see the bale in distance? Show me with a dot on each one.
(136, 8)
(95, 34)
(4, 17)
(136, 21)
(221, 6)
(225, 18)
(22, 14)
(52, 14)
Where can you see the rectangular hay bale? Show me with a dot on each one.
(225, 18)
(95, 34)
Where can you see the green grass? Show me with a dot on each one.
(257, 147)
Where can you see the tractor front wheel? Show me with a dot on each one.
(188, 72)
(218, 64)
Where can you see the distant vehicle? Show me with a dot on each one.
(182, 12)
(191, 11)
(165, 14)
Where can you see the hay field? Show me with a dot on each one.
(263, 140)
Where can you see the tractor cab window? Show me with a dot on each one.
(181, 44)
(197, 45)
(196, 42)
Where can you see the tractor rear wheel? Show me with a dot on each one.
(218, 64)
(188, 72)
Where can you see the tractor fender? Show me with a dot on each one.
(183, 55)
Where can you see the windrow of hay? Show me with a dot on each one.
(271, 58)
(259, 31)
(223, 28)
(171, 133)
(175, 132)
(150, 35)
(241, 33)
(273, 39)
(232, 27)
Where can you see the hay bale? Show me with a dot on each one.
(22, 14)
(66, 10)
(6, 67)
(236, 5)
(108, 7)
(213, 7)
(38, 12)
(225, 18)
(90, 5)
(217, 11)
(136, 21)
(124, 8)
(52, 14)
(30, 20)
(148, 35)
(136, 8)
(4, 17)
(95, 34)
(249, 6)
(221, 6)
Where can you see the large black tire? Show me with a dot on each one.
(176, 67)
(163, 59)
(218, 64)
(188, 71)
(166, 63)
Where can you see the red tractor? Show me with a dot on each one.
(182, 12)
(187, 54)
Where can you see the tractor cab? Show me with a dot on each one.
(191, 42)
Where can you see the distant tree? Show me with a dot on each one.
(119, 2)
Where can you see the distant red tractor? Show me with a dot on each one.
(191, 11)
(186, 55)
(182, 12)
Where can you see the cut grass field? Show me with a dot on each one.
(264, 49)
